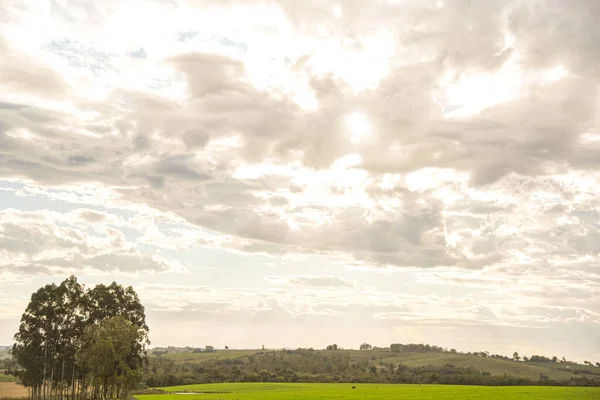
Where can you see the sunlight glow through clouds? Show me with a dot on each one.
(320, 151)
(358, 126)
(590, 138)
(430, 178)
(475, 92)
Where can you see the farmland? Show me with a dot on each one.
(13, 390)
(287, 391)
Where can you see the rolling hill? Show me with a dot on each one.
(382, 358)
(5, 352)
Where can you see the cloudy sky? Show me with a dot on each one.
(299, 173)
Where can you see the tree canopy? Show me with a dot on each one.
(65, 336)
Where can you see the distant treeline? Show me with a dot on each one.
(305, 365)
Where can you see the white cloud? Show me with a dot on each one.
(310, 281)
(53, 243)
(455, 139)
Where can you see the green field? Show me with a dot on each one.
(199, 357)
(7, 378)
(325, 391)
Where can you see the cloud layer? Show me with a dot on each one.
(453, 139)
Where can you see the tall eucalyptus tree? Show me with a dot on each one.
(56, 330)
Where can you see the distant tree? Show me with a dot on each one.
(598, 364)
(525, 358)
(332, 347)
(365, 346)
(536, 358)
(209, 349)
(226, 347)
(263, 346)
(452, 350)
(563, 360)
(588, 363)
(554, 359)
(516, 356)
(198, 350)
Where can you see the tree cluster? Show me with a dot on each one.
(74, 343)
(415, 348)
(206, 349)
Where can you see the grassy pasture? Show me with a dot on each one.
(491, 365)
(217, 355)
(325, 391)
(7, 378)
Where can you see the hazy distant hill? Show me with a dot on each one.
(276, 361)
(5, 352)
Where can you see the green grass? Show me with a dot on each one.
(325, 391)
(7, 378)
(199, 357)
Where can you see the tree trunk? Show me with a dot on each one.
(94, 387)
(44, 377)
(84, 385)
(51, 380)
(62, 380)
(104, 388)
(73, 381)
(83, 389)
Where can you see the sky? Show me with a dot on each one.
(300, 173)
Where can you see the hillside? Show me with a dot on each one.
(381, 365)
(492, 365)
(180, 358)
(5, 352)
